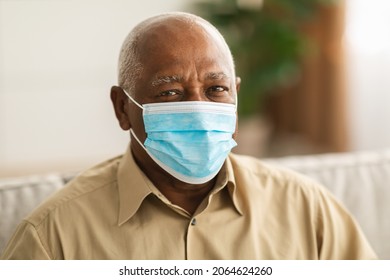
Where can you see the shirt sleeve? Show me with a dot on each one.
(338, 234)
(25, 244)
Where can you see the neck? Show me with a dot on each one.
(187, 196)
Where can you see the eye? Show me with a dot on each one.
(217, 91)
(168, 93)
(218, 88)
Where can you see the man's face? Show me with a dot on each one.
(181, 63)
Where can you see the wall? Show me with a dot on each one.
(368, 47)
(58, 60)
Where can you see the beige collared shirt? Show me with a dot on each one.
(255, 211)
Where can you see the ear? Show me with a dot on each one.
(238, 84)
(120, 103)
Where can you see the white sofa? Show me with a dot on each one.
(360, 180)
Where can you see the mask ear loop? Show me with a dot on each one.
(132, 99)
(131, 130)
(136, 138)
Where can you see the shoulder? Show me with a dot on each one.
(88, 186)
(272, 184)
(283, 197)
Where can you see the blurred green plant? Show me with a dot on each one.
(267, 42)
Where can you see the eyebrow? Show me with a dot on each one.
(161, 80)
(216, 76)
(166, 80)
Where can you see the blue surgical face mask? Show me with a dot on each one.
(189, 139)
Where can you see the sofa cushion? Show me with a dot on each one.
(19, 196)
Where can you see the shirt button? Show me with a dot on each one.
(193, 222)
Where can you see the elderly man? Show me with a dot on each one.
(177, 192)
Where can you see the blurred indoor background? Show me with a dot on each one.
(315, 76)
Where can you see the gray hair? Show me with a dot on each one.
(129, 65)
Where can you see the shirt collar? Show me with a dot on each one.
(134, 186)
(232, 186)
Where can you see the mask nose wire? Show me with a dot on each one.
(132, 99)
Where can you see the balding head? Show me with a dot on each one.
(169, 26)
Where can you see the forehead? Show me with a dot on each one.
(175, 42)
